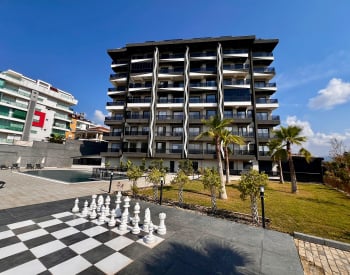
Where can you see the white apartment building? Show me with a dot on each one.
(31, 110)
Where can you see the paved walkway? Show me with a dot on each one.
(22, 190)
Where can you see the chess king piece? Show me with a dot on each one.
(126, 208)
(118, 212)
(75, 208)
(161, 230)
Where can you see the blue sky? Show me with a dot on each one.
(65, 43)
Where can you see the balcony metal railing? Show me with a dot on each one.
(137, 116)
(234, 51)
(207, 84)
(174, 70)
(264, 85)
(117, 89)
(139, 100)
(171, 55)
(136, 133)
(171, 100)
(118, 75)
(262, 54)
(140, 85)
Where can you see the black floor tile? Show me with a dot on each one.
(68, 218)
(57, 257)
(92, 270)
(43, 219)
(84, 226)
(25, 229)
(39, 241)
(15, 260)
(98, 253)
(106, 236)
(4, 228)
(56, 227)
(135, 250)
(9, 241)
(72, 239)
(135, 237)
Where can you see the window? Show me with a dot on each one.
(161, 131)
(160, 147)
(263, 132)
(228, 114)
(241, 114)
(177, 131)
(194, 148)
(195, 99)
(117, 132)
(195, 115)
(210, 113)
(262, 116)
(194, 131)
(211, 99)
(145, 114)
(145, 130)
(178, 115)
(176, 148)
(162, 115)
(163, 99)
(211, 148)
(115, 147)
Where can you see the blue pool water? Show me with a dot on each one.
(71, 176)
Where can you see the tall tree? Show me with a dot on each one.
(227, 139)
(288, 136)
(277, 154)
(215, 127)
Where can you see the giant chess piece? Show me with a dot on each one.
(75, 208)
(148, 239)
(118, 212)
(93, 203)
(93, 214)
(100, 202)
(112, 220)
(107, 203)
(136, 212)
(161, 230)
(123, 226)
(147, 220)
(126, 208)
(102, 217)
(85, 211)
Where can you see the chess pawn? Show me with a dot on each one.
(123, 225)
(102, 217)
(85, 211)
(136, 229)
(147, 220)
(112, 220)
(75, 208)
(161, 230)
(148, 239)
(118, 212)
(93, 214)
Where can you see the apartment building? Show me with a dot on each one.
(161, 91)
(31, 110)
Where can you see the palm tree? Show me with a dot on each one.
(287, 136)
(215, 127)
(228, 138)
(277, 154)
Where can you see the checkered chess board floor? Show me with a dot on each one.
(66, 243)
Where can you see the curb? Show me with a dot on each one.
(322, 241)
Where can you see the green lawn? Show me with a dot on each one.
(316, 209)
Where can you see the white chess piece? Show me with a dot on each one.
(112, 220)
(126, 208)
(93, 213)
(118, 212)
(148, 239)
(75, 208)
(123, 225)
(136, 212)
(99, 203)
(102, 217)
(107, 203)
(135, 229)
(85, 211)
(147, 220)
(161, 230)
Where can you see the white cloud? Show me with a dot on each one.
(99, 117)
(317, 143)
(337, 92)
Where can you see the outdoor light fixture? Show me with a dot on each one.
(161, 189)
(110, 182)
(262, 191)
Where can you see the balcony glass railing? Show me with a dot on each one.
(171, 100)
(235, 67)
(135, 150)
(18, 128)
(200, 54)
(236, 82)
(207, 69)
(142, 56)
(117, 89)
(266, 100)
(119, 117)
(115, 134)
(140, 85)
(139, 100)
(17, 91)
(242, 152)
(236, 98)
(264, 85)
(120, 61)
(168, 85)
(13, 103)
(277, 118)
(118, 75)
(115, 103)
(235, 116)
(137, 116)
(201, 152)
(264, 70)
(171, 55)
(169, 117)
(207, 84)
(174, 70)
(262, 54)
(234, 51)
(136, 133)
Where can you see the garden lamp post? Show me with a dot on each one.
(262, 191)
(161, 190)
(110, 182)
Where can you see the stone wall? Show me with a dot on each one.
(48, 154)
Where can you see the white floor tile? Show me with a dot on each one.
(84, 245)
(157, 241)
(32, 234)
(12, 249)
(113, 263)
(93, 231)
(61, 215)
(32, 267)
(116, 230)
(119, 243)
(72, 266)
(6, 234)
(64, 232)
(20, 224)
(47, 248)
(76, 222)
(49, 223)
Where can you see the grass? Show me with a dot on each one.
(316, 209)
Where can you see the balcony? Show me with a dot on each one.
(14, 103)
(16, 92)
(114, 120)
(239, 118)
(202, 153)
(171, 71)
(136, 135)
(118, 76)
(140, 85)
(270, 103)
(170, 100)
(168, 119)
(164, 136)
(235, 53)
(271, 120)
(137, 118)
(237, 83)
(115, 105)
(112, 152)
(209, 85)
(168, 153)
(135, 152)
(112, 136)
(242, 155)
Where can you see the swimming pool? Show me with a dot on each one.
(70, 176)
